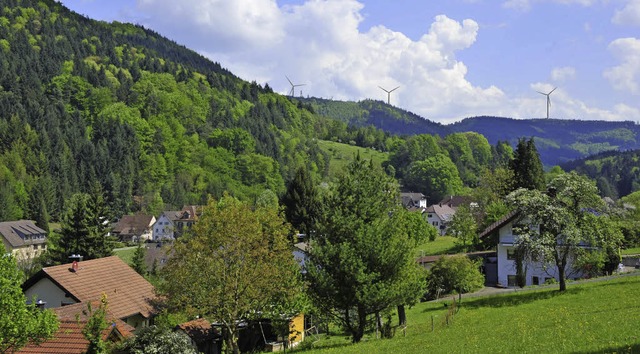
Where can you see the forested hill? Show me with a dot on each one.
(88, 105)
(383, 116)
(616, 173)
(557, 140)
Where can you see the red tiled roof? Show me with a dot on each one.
(68, 340)
(128, 293)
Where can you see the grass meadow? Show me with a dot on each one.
(591, 317)
(341, 154)
(441, 245)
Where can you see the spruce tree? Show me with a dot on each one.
(526, 166)
(301, 202)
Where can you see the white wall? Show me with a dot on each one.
(540, 270)
(47, 291)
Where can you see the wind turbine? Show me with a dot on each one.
(388, 93)
(548, 99)
(293, 87)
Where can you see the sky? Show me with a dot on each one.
(451, 59)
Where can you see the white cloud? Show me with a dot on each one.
(626, 75)
(525, 5)
(628, 15)
(563, 73)
(318, 43)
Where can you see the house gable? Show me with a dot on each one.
(128, 293)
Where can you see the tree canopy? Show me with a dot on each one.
(555, 226)
(361, 259)
(238, 264)
(20, 323)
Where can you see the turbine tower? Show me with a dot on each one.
(548, 99)
(388, 93)
(293, 87)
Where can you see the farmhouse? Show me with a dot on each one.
(536, 272)
(439, 216)
(413, 201)
(134, 227)
(23, 238)
(171, 224)
(129, 295)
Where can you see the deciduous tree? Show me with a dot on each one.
(238, 264)
(20, 323)
(554, 226)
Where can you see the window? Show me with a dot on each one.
(511, 254)
(535, 280)
(511, 280)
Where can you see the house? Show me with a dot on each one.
(536, 272)
(134, 228)
(203, 337)
(413, 200)
(439, 216)
(23, 239)
(130, 296)
(454, 201)
(171, 224)
(69, 338)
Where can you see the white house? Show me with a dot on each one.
(536, 272)
(439, 216)
(171, 224)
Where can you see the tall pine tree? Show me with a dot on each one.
(301, 202)
(526, 166)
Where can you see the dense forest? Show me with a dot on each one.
(617, 174)
(112, 108)
(558, 140)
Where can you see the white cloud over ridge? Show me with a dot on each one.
(319, 44)
(626, 75)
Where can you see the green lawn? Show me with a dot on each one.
(600, 317)
(126, 254)
(441, 245)
(628, 251)
(342, 154)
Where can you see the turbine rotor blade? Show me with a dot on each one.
(395, 89)
(289, 80)
(552, 90)
(383, 89)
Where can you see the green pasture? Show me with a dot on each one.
(441, 245)
(590, 317)
(341, 154)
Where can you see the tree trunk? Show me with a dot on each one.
(402, 316)
(562, 276)
(230, 337)
(362, 323)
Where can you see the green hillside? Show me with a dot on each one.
(597, 317)
(341, 154)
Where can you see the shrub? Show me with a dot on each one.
(452, 275)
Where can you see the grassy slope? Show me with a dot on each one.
(589, 317)
(126, 254)
(441, 245)
(342, 154)
(633, 251)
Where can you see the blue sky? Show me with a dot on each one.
(452, 59)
